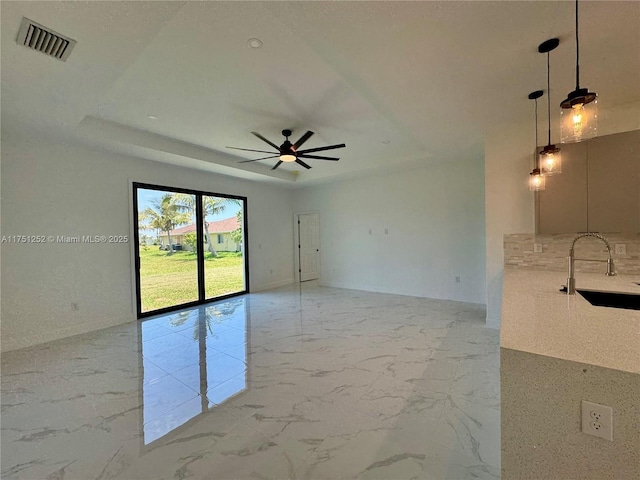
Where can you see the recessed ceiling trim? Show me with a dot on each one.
(156, 145)
(44, 40)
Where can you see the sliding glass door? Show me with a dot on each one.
(224, 241)
(190, 247)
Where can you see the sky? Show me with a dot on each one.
(146, 198)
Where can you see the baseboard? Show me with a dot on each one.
(9, 344)
(374, 289)
(271, 285)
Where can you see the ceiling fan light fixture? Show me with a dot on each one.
(288, 157)
(290, 152)
(287, 151)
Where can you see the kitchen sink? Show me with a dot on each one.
(628, 301)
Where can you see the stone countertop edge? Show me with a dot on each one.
(538, 318)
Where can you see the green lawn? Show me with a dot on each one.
(167, 280)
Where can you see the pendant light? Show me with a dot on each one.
(550, 161)
(536, 179)
(579, 111)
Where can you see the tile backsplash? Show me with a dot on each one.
(519, 252)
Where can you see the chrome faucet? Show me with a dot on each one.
(571, 281)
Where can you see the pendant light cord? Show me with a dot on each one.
(535, 149)
(548, 101)
(577, 52)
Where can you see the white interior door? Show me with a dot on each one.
(309, 246)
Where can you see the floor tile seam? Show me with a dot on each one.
(172, 376)
(153, 329)
(163, 320)
(215, 404)
(164, 414)
(245, 359)
(167, 348)
(216, 351)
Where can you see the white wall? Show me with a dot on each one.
(56, 189)
(435, 221)
(509, 204)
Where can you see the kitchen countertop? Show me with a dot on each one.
(538, 318)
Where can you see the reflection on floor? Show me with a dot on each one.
(192, 361)
(314, 383)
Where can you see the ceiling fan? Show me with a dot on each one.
(288, 152)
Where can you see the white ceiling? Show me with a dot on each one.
(428, 78)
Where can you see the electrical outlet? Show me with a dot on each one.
(597, 420)
(621, 248)
(457, 279)
(537, 248)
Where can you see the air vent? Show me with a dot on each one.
(42, 39)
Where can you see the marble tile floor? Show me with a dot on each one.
(295, 383)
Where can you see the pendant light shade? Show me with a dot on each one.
(550, 161)
(536, 178)
(579, 116)
(579, 111)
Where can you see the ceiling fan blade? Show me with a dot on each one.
(250, 150)
(300, 162)
(256, 159)
(277, 165)
(265, 140)
(302, 139)
(320, 149)
(318, 157)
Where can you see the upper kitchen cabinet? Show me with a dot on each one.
(598, 190)
(614, 183)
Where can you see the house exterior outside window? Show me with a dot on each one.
(219, 231)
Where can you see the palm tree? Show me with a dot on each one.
(213, 315)
(237, 235)
(210, 206)
(165, 215)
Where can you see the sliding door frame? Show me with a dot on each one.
(199, 194)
